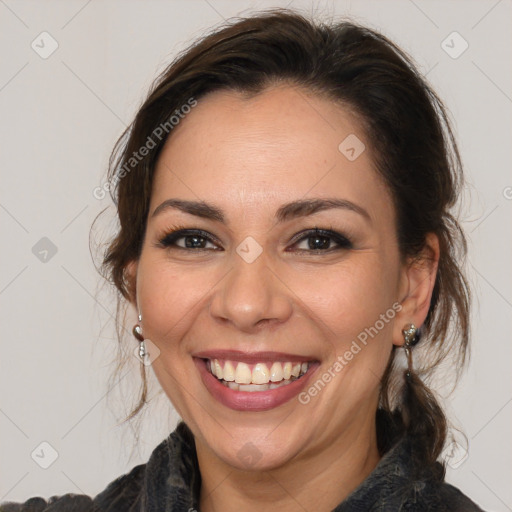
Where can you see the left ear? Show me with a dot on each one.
(417, 280)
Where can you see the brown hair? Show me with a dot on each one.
(407, 128)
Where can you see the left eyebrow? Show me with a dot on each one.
(288, 211)
(304, 207)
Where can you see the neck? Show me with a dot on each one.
(319, 481)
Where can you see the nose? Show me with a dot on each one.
(250, 296)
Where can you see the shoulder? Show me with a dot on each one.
(403, 481)
(173, 457)
(120, 495)
(68, 502)
(425, 488)
(424, 485)
(440, 496)
(445, 496)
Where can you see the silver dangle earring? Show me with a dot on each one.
(411, 337)
(137, 332)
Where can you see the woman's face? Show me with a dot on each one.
(257, 289)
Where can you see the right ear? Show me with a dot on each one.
(130, 279)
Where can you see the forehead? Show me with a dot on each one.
(280, 145)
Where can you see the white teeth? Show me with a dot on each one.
(217, 369)
(260, 374)
(253, 387)
(260, 378)
(276, 372)
(243, 374)
(287, 370)
(229, 372)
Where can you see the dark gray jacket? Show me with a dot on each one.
(170, 482)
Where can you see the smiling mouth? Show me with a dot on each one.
(261, 376)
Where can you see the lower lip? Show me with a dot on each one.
(256, 400)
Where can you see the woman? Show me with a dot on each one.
(284, 199)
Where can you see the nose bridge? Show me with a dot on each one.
(250, 292)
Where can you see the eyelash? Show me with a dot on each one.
(170, 238)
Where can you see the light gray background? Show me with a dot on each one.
(59, 119)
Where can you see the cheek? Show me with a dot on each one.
(349, 298)
(168, 296)
(354, 308)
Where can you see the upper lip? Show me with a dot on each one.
(252, 357)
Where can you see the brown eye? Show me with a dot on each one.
(188, 239)
(321, 240)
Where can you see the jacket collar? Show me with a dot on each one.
(172, 479)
